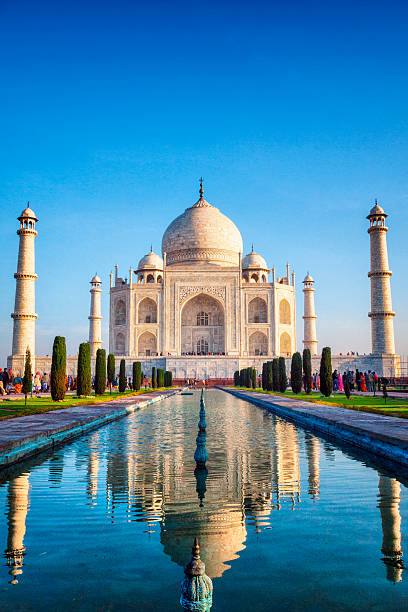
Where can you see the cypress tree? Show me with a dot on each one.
(170, 379)
(326, 380)
(111, 370)
(236, 378)
(296, 373)
(154, 379)
(264, 376)
(248, 377)
(122, 376)
(253, 378)
(283, 382)
(275, 374)
(307, 370)
(100, 372)
(347, 387)
(269, 376)
(137, 376)
(160, 377)
(58, 368)
(27, 378)
(84, 369)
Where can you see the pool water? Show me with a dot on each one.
(285, 519)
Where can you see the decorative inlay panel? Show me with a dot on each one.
(186, 292)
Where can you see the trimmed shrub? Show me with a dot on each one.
(275, 374)
(236, 378)
(100, 372)
(111, 370)
(137, 376)
(253, 378)
(168, 378)
(269, 376)
(307, 370)
(122, 376)
(84, 369)
(283, 381)
(160, 377)
(28, 376)
(326, 379)
(154, 379)
(296, 373)
(264, 376)
(58, 367)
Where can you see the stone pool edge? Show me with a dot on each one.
(29, 446)
(388, 448)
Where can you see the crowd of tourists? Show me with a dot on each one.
(40, 383)
(358, 381)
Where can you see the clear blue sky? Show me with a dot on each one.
(295, 113)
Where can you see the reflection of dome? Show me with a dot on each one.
(254, 260)
(202, 234)
(221, 534)
(151, 261)
(28, 214)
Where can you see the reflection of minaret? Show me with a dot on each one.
(18, 508)
(56, 466)
(313, 455)
(92, 488)
(287, 470)
(391, 526)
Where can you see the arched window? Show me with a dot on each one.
(245, 277)
(147, 345)
(150, 278)
(264, 279)
(254, 278)
(202, 347)
(159, 279)
(120, 344)
(285, 344)
(257, 311)
(284, 312)
(120, 313)
(147, 311)
(30, 224)
(258, 344)
(202, 318)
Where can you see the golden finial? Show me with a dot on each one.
(201, 189)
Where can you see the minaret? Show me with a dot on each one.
(95, 317)
(18, 489)
(382, 324)
(309, 316)
(24, 307)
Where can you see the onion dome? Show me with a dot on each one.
(376, 210)
(151, 261)
(28, 213)
(196, 588)
(202, 234)
(308, 279)
(254, 261)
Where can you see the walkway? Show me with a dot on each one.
(383, 435)
(24, 436)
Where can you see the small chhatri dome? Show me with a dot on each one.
(96, 279)
(308, 279)
(202, 234)
(151, 261)
(376, 210)
(28, 213)
(254, 260)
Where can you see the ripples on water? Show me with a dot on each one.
(284, 519)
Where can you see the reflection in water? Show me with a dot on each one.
(16, 521)
(389, 500)
(146, 466)
(196, 588)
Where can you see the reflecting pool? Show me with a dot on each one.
(285, 519)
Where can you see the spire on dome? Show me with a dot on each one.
(151, 248)
(201, 189)
(252, 248)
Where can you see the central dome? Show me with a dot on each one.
(202, 234)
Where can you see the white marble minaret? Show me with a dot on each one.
(95, 317)
(382, 315)
(309, 316)
(24, 307)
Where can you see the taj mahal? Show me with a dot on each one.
(202, 308)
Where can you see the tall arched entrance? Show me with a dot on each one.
(202, 326)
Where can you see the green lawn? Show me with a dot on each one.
(15, 407)
(393, 407)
